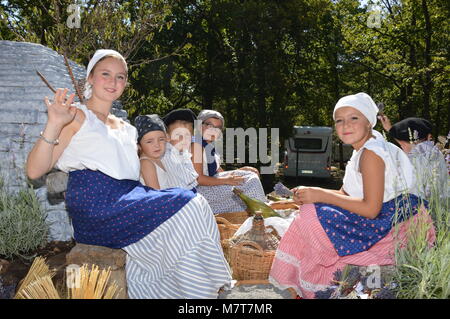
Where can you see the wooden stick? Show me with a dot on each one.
(45, 81)
(75, 85)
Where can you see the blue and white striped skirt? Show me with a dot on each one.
(182, 258)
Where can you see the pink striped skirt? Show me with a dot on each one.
(306, 259)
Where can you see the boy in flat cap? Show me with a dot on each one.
(180, 128)
(413, 134)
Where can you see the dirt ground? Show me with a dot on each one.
(13, 271)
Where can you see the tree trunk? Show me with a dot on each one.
(437, 121)
(426, 78)
(208, 94)
(261, 84)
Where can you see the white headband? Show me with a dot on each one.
(98, 55)
(363, 103)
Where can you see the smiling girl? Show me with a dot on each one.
(108, 205)
(351, 225)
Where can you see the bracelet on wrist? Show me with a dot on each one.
(52, 142)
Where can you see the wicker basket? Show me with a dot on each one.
(235, 217)
(250, 262)
(282, 205)
(226, 228)
(226, 245)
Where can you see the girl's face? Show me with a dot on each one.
(153, 144)
(212, 129)
(180, 136)
(352, 127)
(108, 79)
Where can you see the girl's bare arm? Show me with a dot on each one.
(372, 170)
(63, 122)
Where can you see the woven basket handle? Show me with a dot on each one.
(252, 244)
(274, 232)
(222, 220)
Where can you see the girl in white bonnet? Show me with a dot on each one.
(170, 236)
(352, 225)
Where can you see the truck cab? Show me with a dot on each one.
(308, 152)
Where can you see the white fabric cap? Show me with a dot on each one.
(99, 54)
(206, 114)
(363, 103)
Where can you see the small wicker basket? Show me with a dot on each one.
(281, 205)
(235, 217)
(252, 253)
(226, 228)
(250, 262)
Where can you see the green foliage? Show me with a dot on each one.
(404, 58)
(423, 271)
(22, 224)
(262, 63)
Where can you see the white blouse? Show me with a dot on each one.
(399, 175)
(96, 146)
(161, 174)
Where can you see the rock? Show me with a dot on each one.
(103, 257)
(57, 219)
(255, 291)
(56, 182)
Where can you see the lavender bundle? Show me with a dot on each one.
(282, 190)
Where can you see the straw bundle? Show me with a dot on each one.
(38, 270)
(41, 288)
(90, 283)
(93, 284)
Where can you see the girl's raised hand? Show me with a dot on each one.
(385, 121)
(60, 110)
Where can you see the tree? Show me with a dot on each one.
(409, 50)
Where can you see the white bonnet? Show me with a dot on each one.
(363, 103)
(98, 55)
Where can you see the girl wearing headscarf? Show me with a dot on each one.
(152, 140)
(353, 225)
(170, 236)
(214, 183)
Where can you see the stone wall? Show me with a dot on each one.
(23, 115)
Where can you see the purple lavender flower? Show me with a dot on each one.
(282, 190)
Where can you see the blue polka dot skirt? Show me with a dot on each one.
(116, 213)
(351, 233)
